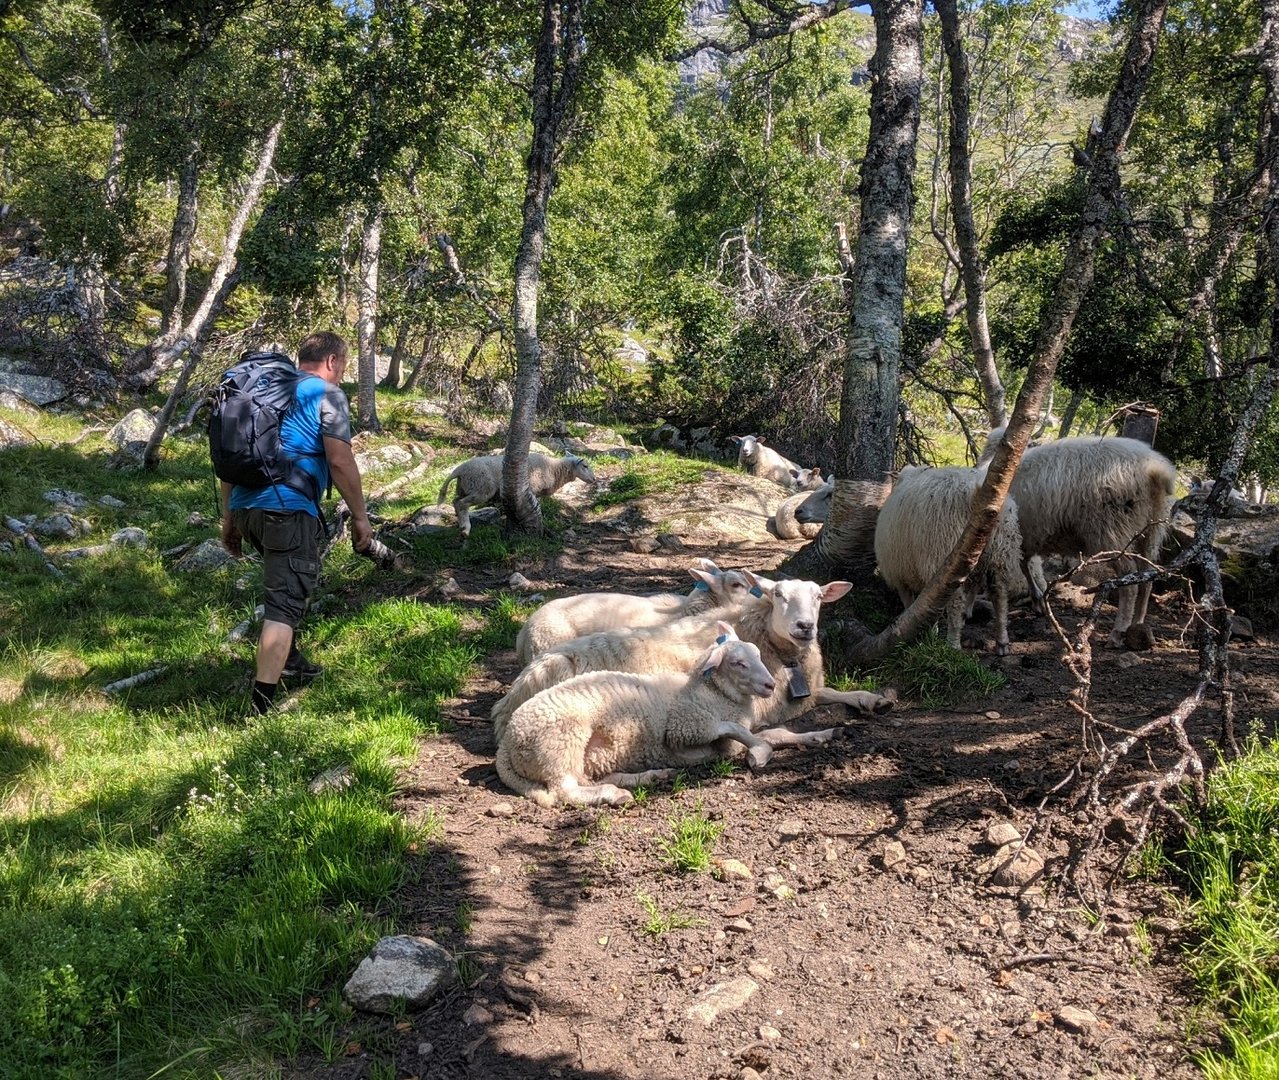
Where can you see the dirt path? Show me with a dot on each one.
(847, 967)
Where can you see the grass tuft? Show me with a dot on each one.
(692, 842)
(934, 674)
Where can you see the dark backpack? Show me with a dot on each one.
(249, 405)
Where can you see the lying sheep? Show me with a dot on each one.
(586, 740)
(1087, 495)
(760, 460)
(920, 524)
(570, 617)
(781, 621)
(479, 481)
(803, 514)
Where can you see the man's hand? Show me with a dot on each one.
(361, 534)
(231, 538)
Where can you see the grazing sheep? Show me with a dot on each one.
(760, 460)
(570, 617)
(479, 481)
(803, 514)
(781, 621)
(921, 522)
(586, 740)
(1092, 494)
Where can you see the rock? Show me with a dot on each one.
(1241, 628)
(762, 970)
(519, 581)
(130, 536)
(1016, 865)
(740, 926)
(338, 778)
(112, 502)
(425, 407)
(207, 555)
(670, 542)
(1076, 1019)
(132, 432)
(85, 552)
(12, 436)
(731, 869)
(1002, 832)
(644, 545)
(722, 998)
(401, 970)
(894, 853)
(747, 1073)
(10, 400)
(1128, 660)
(500, 398)
(667, 437)
(769, 1033)
(501, 809)
(35, 389)
(791, 829)
(62, 526)
(450, 588)
(425, 1049)
(477, 1014)
(66, 500)
(631, 351)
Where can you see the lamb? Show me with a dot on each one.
(570, 617)
(922, 520)
(803, 514)
(587, 740)
(1090, 494)
(781, 621)
(479, 481)
(760, 460)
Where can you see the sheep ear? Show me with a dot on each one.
(726, 632)
(835, 590)
(794, 474)
(759, 586)
(709, 566)
(705, 581)
(735, 438)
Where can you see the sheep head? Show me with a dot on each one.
(737, 664)
(796, 606)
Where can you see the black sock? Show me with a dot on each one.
(263, 695)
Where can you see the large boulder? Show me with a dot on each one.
(132, 433)
(36, 389)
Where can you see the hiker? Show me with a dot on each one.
(283, 520)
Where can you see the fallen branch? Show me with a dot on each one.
(141, 677)
(1056, 958)
(419, 470)
(241, 631)
(24, 534)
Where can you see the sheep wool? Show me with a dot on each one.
(479, 481)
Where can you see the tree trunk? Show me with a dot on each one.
(151, 456)
(868, 408)
(185, 219)
(160, 356)
(1076, 276)
(559, 49)
(972, 269)
(424, 358)
(392, 380)
(1068, 417)
(366, 327)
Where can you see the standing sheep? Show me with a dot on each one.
(781, 621)
(586, 740)
(568, 617)
(479, 481)
(1093, 494)
(920, 524)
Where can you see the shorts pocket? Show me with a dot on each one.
(280, 532)
(303, 567)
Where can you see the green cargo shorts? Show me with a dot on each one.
(290, 545)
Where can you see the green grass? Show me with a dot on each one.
(172, 896)
(692, 842)
(661, 922)
(651, 474)
(931, 672)
(1233, 867)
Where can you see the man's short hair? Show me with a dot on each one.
(316, 347)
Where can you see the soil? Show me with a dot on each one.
(850, 963)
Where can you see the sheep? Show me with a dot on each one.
(587, 740)
(803, 514)
(1090, 494)
(760, 460)
(479, 480)
(781, 621)
(922, 520)
(570, 617)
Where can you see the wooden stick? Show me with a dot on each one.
(18, 529)
(134, 680)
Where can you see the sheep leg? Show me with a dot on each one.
(780, 736)
(601, 794)
(1033, 567)
(633, 780)
(862, 701)
(1000, 600)
(758, 751)
(955, 609)
(462, 505)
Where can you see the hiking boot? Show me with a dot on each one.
(298, 666)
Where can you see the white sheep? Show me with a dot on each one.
(760, 460)
(479, 481)
(781, 621)
(569, 617)
(587, 740)
(922, 520)
(1092, 494)
(804, 513)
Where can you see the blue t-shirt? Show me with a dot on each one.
(321, 410)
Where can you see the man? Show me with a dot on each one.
(285, 524)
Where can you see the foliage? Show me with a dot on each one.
(934, 674)
(688, 849)
(663, 922)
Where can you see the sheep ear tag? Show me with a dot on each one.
(796, 683)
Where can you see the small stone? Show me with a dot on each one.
(501, 809)
(762, 970)
(401, 970)
(740, 926)
(769, 1033)
(425, 1049)
(920, 874)
(536, 598)
(791, 829)
(1076, 1019)
(477, 1014)
(643, 545)
(112, 502)
(130, 536)
(1128, 660)
(1017, 865)
(519, 581)
(570, 535)
(196, 520)
(1001, 833)
(992, 715)
(1139, 638)
(670, 542)
(450, 588)
(61, 526)
(894, 853)
(71, 500)
(747, 1073)
(1241, 628)
(722, 998)
(338, 778)
(730, 869)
